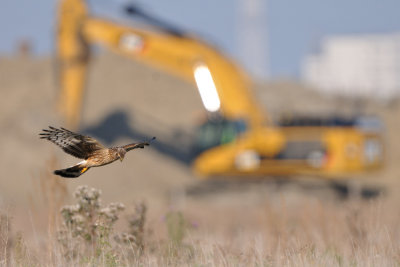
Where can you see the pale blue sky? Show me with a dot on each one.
(293, 27)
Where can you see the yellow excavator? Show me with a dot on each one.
(237, 139)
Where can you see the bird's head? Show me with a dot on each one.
(121, 153)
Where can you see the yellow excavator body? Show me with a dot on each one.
(249, 143)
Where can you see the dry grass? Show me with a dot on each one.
(5, 239)
(283, 230)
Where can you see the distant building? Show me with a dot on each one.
(356, 66)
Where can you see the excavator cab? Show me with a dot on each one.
(217, 131)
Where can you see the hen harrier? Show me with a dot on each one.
(87, 148)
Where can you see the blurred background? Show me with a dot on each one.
(321, 75)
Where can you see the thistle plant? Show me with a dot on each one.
(87, 225)
(135, 236)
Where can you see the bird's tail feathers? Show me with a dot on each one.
(72, 172)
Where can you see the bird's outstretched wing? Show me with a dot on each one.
(138, 145)
(75, 144)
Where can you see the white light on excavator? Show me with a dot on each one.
(208, 91)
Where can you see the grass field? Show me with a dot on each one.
(286, 229)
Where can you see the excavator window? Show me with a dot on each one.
(215, 132)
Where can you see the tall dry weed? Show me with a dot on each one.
(5, 239)
(21, 254)
(54, 193)
(135, 236)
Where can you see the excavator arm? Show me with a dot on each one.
(223, 87)
(72, 59)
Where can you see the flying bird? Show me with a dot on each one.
(87, 148)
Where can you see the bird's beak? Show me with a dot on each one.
(121, 158)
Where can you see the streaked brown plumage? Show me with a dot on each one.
(87, 148)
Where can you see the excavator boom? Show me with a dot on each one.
(179, 55)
